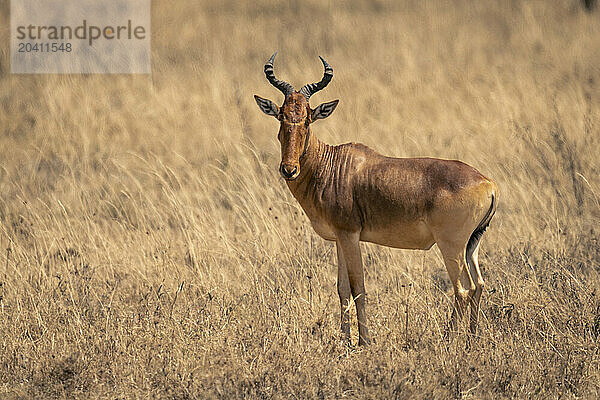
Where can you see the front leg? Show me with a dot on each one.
(349, 243)
(343, 287)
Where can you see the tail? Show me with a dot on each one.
(478, 232)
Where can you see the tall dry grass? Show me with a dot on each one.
(150, 249)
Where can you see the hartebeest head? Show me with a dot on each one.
(295, 116)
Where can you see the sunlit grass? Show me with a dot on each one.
(149, 247)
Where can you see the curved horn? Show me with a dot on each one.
(285, 87)
(312, 88)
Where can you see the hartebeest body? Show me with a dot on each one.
(350, 193)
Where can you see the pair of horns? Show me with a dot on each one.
(307, 90)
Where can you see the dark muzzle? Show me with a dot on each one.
(289, 172)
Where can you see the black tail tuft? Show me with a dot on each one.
(478, 232)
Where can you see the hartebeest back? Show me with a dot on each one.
(350, 193)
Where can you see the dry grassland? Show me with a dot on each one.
(151, 250)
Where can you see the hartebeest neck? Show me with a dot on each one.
(313, 165)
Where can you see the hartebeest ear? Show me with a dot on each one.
(267, 106)
(324, 110)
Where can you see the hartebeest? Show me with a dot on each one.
(350, 193)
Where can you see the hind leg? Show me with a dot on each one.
(458, 271)
(475, 272)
